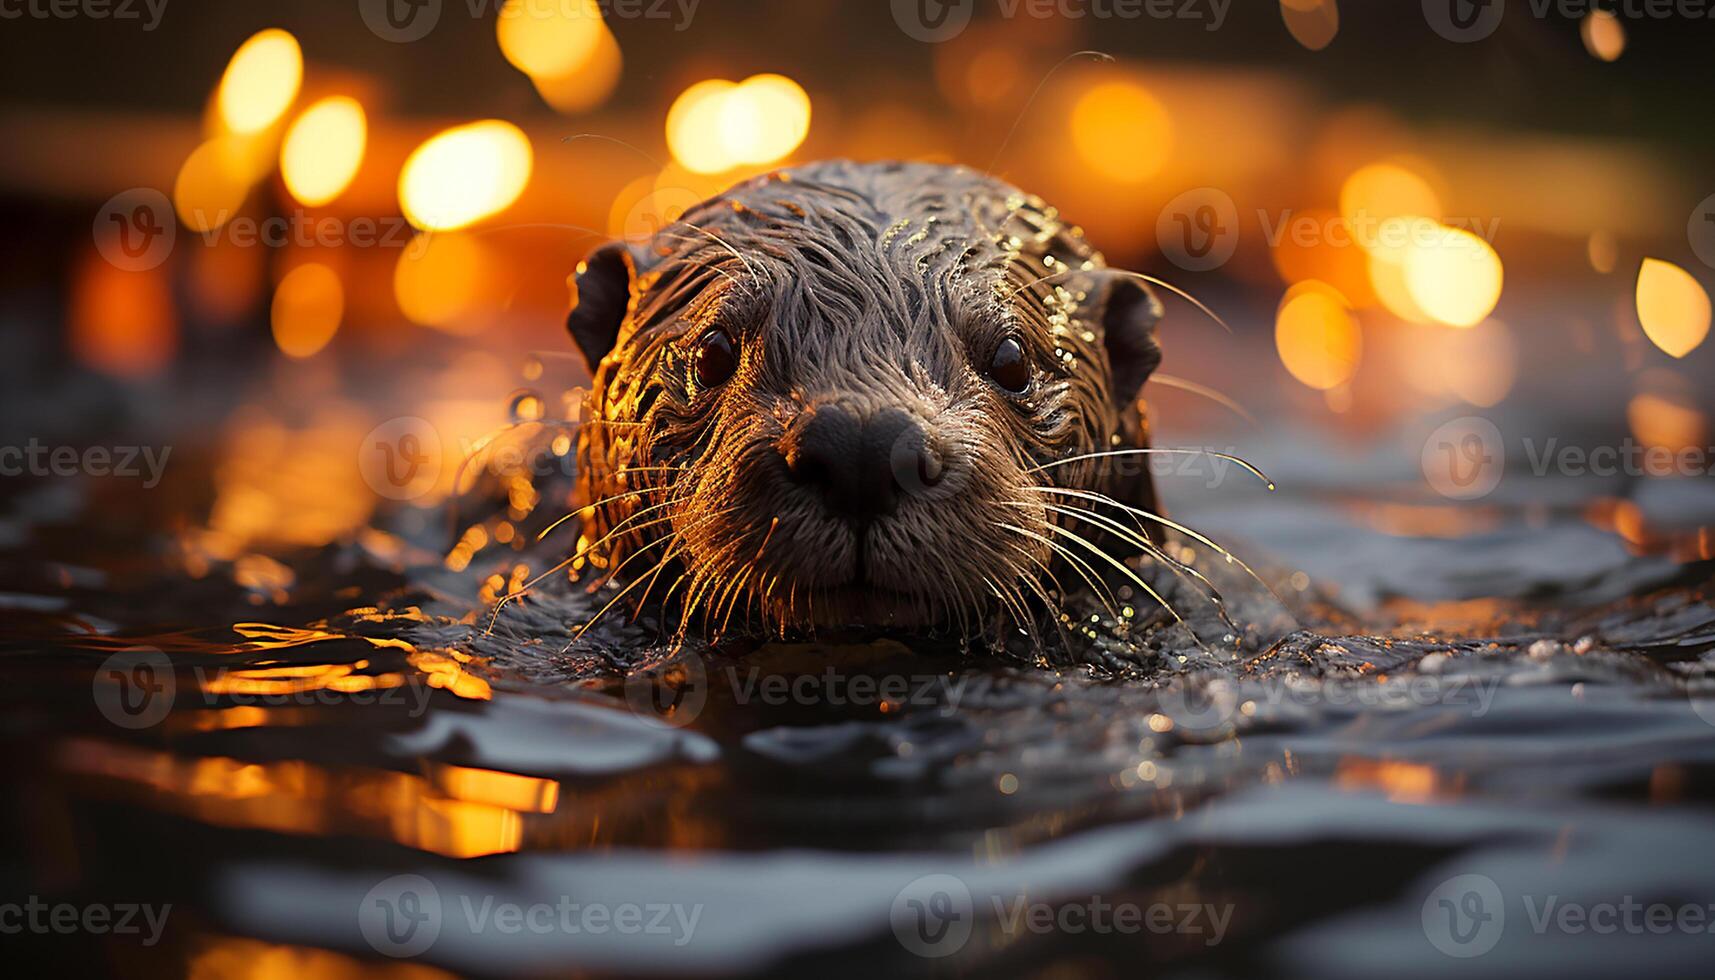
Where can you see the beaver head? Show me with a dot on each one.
(827, 397)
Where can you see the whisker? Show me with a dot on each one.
(1006, 601)
(605, 500)
(1080, 566)
(1121, 567)
(1165, 522)
(582, 552)
(643, 599)
(1195, 388)
(585, 628)
(616, 140)
(1101, 56)
(1175, 565)
(1115, 453)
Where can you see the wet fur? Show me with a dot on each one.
(877, 286)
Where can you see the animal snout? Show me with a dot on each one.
(861, 465)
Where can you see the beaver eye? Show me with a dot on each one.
(1008, 368)
(715, 359)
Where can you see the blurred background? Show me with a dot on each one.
(263, 232)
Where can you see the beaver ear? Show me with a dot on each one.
(1129, 315)
(601, 294)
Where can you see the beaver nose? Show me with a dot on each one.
(861, 466)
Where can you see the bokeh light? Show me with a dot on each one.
(1312, 23)
(1316, 244)
(1477, 366)
(1664, 413)
(1604, 36)
(648, 204)
(1604, 252)
(1319, 341)
(260, 81)
(323, 149)
(549, 40)
(308, 305)
(212, 183)
(439, 280)
(1672, 307)
(465, 174)
(587, 86)
(1379, 191)
(1388, 281)
(1454, 277)
(1122, 131)
(122, 323)
(716, 125)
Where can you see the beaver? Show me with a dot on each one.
(863, 395)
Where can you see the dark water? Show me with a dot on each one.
(317, 751)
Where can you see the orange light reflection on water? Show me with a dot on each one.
(296, 797)
(1400, 782)
(232, 958)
